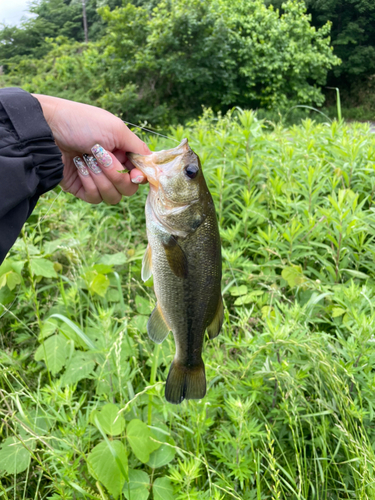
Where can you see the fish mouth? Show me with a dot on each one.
(159, 162)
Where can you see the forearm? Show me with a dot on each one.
(30, 162)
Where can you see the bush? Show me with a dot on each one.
(162, 64)
(290, 406)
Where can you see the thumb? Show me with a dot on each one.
(127, 141)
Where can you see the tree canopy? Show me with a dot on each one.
(162, 61)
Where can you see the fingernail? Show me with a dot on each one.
(92, 164)
(138, 179)
(81, 167)
(101, 155)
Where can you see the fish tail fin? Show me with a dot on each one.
(185, 382)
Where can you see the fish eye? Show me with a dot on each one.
(191, 170)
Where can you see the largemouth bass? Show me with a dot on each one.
(184, 255)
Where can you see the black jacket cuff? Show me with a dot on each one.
(30, 161)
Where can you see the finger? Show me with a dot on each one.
(112, 169)
(127, 141)
(106, 188)
(137, 177)
(88, 190)
(120, 155)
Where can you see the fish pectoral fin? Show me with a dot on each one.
(185, 382)
(146, 264)
(176, 257)
(214, 328)
(157, 328)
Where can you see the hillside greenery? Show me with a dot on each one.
(217, 54)
(160, 63)
(289, 412)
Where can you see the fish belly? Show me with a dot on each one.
(188, 304)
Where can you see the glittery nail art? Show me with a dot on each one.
(101, 155)
(138, 179)
(81, 167)
(92, 164)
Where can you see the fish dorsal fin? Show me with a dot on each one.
(176, 257)
(157, 328)
(146, 264)
(214, 328)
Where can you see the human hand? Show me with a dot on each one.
(80, 129)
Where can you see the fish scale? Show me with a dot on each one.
(184, 256)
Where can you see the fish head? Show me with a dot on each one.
(178, 193)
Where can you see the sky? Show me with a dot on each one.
(11, 11)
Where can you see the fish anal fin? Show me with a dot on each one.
(146, 264)
(214, 328)
(185, 382)
(176, 257)
(157, 328)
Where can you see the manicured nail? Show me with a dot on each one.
(138, 179)
(81, 167)
(103, 157)
(92, 164)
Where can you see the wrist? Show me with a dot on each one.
(48, 105)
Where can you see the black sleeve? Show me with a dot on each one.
(30, 161)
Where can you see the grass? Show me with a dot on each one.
(289, 412)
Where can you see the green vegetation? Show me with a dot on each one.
(161, 64)
(290, 406)
(160, 61)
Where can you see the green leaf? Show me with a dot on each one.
(338, 311)
(103, 268)
(267, 311)
(79, 367)
(37, 422)
(103, 467)
(143, 305)
(113, 295)
(138, 494)
(236, 291)
(48, 328)
(139, 435)
(163, 489)
(13, 279)
(165, 454)
(139, 323)
(3, 280)
(18, 266)
(293, 275)
(6, 297)
(138, 486)
(109, 419)
(14, 457)
(116, 259)
(71, 333)
(99, 285)
(248, 298)
(43, 267)
(356, 274)
(54, 352)
(89, 343)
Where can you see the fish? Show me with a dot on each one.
(184, 256)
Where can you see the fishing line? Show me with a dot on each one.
(151, 131)
(53, 202)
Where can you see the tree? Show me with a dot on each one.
(53, 18)
(220, 54)
(353, 35)
(162, 64)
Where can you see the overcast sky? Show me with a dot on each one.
(11, 11)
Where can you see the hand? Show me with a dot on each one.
(80, 129)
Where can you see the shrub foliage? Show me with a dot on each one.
(290, 406)
(162, 64)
